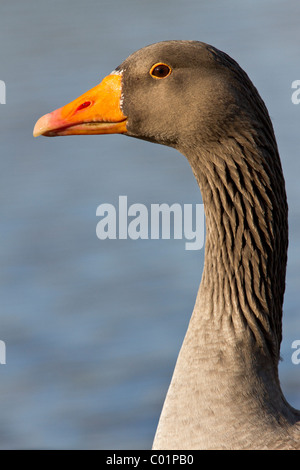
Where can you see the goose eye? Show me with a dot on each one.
(160, 70)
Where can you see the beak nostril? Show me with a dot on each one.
(83, 105)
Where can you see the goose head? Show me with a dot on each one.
(176, 93)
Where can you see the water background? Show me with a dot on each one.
(93, 328)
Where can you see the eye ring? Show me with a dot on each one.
(160, 70)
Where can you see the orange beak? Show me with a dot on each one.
(97, 111)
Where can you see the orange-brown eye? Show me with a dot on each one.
(160, 70)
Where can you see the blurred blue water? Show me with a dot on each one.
(93, 328)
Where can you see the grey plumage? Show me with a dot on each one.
(225, 391)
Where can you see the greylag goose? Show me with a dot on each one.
(225, 392)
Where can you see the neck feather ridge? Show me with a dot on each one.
(243, 191)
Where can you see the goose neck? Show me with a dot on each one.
(243, 280)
